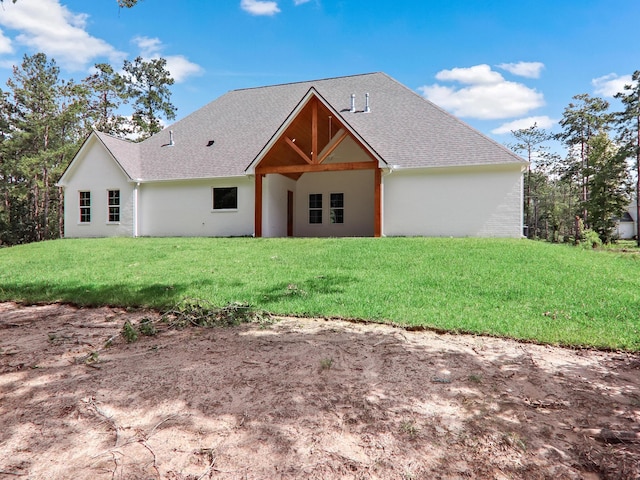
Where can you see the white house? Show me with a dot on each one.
(352, 156)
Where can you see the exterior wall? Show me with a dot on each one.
(185, 209)
(274, 205)
(96, 171)
(456, 202)
(626, 230)
(358, 190)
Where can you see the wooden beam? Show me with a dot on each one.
(314, 130)
(297, 150)
(377, 204)
(258, 207)
(329, 167)
(332, 146)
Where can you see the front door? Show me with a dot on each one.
(289, 213)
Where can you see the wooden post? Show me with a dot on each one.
(377, 204)
(314, 131)
(258, 207)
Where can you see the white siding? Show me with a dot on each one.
(95, 171)
(185, 209)
(457, 202)
(358, 189)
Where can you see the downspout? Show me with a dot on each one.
(135, 208)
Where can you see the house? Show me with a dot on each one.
(361, 155)
(626, 226)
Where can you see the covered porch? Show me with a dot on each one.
(317, 178)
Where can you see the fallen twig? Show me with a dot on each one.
(611, 436)
(155, 465)
(171, 417)
(108, 418)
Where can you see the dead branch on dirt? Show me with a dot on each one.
(171, 417)
(4, 472)
(212, 461)
(109, 418)
(202, 313)
(155, 459)
(611, 436)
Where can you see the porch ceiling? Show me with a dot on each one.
(307, 142)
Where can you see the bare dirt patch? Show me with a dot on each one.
(304, 398)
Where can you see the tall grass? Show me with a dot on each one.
(516, 288)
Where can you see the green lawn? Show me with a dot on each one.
(516, 288)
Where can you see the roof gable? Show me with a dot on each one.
(329, 129)
(124, 153)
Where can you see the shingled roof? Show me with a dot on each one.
(402, 128)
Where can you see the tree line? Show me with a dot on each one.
(581, 195)
(43, 121)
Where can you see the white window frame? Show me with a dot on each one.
(110, 206)
(84, 209)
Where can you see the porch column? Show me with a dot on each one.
(258, 207)
(377, 204)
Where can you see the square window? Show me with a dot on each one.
(225, 198)
(315, 216)
(315, 200)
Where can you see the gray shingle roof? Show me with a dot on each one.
(126, 153)
(403, 128)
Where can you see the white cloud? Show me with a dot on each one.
(476, 75)
(609, 85)
(259, 7)
(523, 123)
(523, 69)
(487, 94)
(181, 68)
(148, 46)
(5, 44)
(49, 27)
(178, 66)
(300, 2)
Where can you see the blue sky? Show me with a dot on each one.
(497, 64)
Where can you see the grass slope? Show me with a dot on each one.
(516, 288)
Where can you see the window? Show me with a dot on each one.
(315, 208)
(225, 198)
(114, 205)
(337, 208)
(85, 207)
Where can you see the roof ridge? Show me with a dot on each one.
(98, 132)
(308, 81)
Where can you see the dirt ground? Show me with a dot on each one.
(304, 398)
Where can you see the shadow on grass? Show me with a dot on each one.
(314, 286)
(155, 295)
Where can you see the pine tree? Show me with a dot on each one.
(106, 92)
(147, 85)
(609, 186)
(581, 121)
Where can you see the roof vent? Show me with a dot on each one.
(353, 103)
(210, 142)
(366, 103)
(171, 142)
